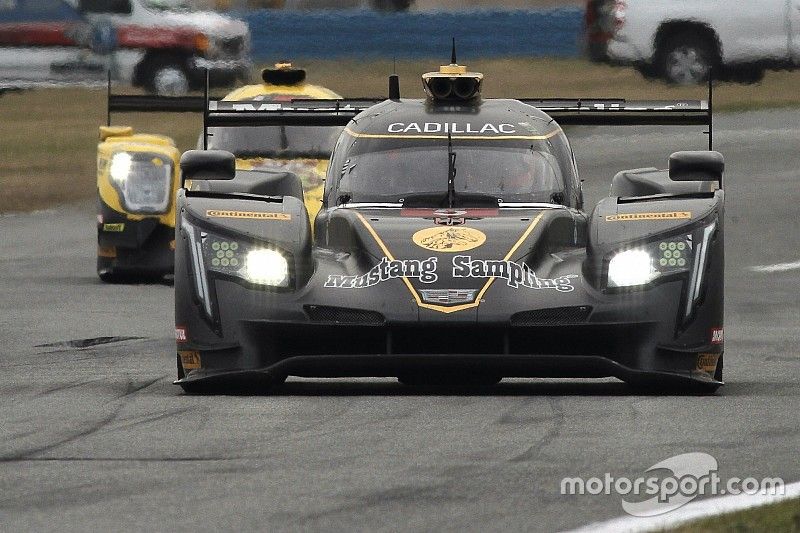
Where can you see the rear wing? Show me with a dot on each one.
(606, 112)
(576, 112)
(616, 112)
(135, 103)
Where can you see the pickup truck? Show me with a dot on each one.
(683, 41)
(160, 45)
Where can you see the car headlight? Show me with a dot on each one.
(630, 268)
(682, 255)
(216, 256)
(641, 265)
(143, 181)
(266, 267)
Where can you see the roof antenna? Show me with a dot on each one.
(451, 172)
(453, 55)
(394, 83)
(108, 100)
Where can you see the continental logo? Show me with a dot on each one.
(449, 239)
(114, 228)
(707, 362)
(670, 215)
(248, 214)
(190, 359)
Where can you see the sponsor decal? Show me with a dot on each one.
(669, 215)
(424, 270)
(707, 362)
(114, 228)
(190, 359)
(452, 127)
(464, 266)
(180, 334)
(216, 213)
(516, 275)
(107, 251)
(448, 296)
(717, 336)
(449, 239)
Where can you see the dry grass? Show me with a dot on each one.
(48, 137)
(48, 144)
(516, 78)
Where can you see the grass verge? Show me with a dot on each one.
(48, 137)
(783, 517)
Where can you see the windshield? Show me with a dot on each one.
(275, 141)
(526, 172)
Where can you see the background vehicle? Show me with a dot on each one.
(137, 173)
(299, 150)
(165, 46)
(137, 176)
(144, 42)
(682, 41)
(388, 5)
(452, 246)
(47, 41)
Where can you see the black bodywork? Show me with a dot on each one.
(467, 286)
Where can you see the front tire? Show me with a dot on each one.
(687, 58)
(166, 76)
(107, 273)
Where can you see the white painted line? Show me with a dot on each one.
(690, 512)
(778, 267)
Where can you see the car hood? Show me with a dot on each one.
(454, 255)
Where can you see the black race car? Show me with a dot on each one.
(451, 247)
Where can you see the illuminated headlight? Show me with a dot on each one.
(214, 256)
(266, 267)
(631, 268)
(640, 265)
(143, 181)
(120, 167)
(255, 264)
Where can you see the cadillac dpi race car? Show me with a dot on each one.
(137, 174)
(451, 247)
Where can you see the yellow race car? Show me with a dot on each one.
(138, 175)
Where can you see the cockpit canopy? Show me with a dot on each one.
(504, 151)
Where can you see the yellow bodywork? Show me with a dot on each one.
(310, 171)
(116, 139)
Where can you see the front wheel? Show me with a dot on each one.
(687, 58)
(166, 76)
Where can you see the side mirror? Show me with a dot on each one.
(207, 165)
(696, 166)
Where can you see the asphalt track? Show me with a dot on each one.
(95, 437)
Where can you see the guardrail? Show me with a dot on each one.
(411, 35)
